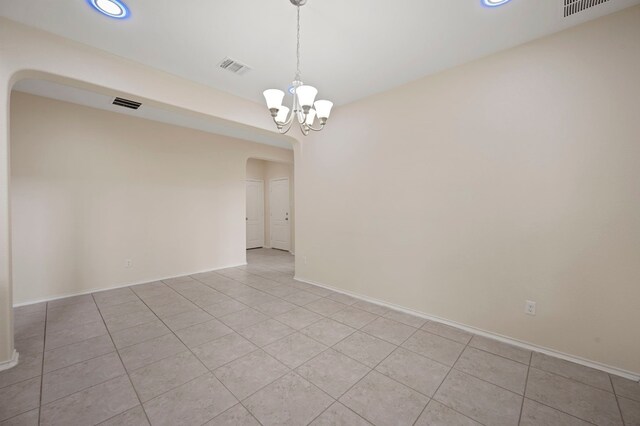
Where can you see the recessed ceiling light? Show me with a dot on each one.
(112, 8)
(494, 3)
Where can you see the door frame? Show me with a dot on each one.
(271, 210)
(263, 211)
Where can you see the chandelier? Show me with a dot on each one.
(303, 109)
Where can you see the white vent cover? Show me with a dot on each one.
(571, 7)
(234, 66)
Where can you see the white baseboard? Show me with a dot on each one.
(101, 289)
(5, 365)
(505, 339)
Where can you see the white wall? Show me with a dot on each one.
(91, 189)
(266, 171)
(513, 178)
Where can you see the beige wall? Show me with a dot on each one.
(266, 171)
(513, 178)
(91, 189)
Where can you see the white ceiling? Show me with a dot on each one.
(350, 49)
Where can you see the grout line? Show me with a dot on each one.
(44, 349)
(617, 400)
(524, 392)
(126, 372)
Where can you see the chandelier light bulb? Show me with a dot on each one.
(306, 95)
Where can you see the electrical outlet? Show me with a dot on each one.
(530, 307)
(304, 259)
(128, 263)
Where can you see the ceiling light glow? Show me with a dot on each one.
(112, 8)
(494, 3)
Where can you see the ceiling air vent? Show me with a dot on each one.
(571, 7)
(126, 103)
(234, 66)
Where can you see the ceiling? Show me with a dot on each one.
(350, 49)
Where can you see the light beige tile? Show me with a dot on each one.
(174, 308)
(223, 350)
(29, 363)
(19, 398)
(133, 417)
(364, 348)
(250, 373)
(333, 372)
(159, 377)
(328, 331)
(371, 307)
(479, 400)
(630, 411)
(275, 307)
(345, 299)
(535, 414)
(290, 400)
(256, 298)
(187, 319)
(413, 370)
(383, 401)
(202, 333)
(407, 319)
(123, 309)
(114, 297)
(448, 332)
(243, 319)
(75, 334)
(435, 347)
(325, 307)
(73, 300)
(68, 380)
(294, 350)
(153, 350)
(302, 298)
(91, 406)
(580, 400)
(437, 414)
(234, 416)
(30, 418)
(498, 348)
(389, 330)
(299, 318)
(500, 371)
(129, 320)
(78, 352)
(353, 317)
(627, 388)
(570, 370)
(266, 332)
(225, 308)
(139, 334)
(339, 415)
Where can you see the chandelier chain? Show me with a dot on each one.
(298, 74)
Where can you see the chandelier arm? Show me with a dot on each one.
(316, 129)
(304, 129)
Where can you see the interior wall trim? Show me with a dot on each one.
(98, 290)
(5, 365)
(505, 339)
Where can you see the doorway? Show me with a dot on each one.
(270, 215)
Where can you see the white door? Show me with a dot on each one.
(255, 214)
(279, 214)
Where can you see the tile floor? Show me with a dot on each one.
(249, 346)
